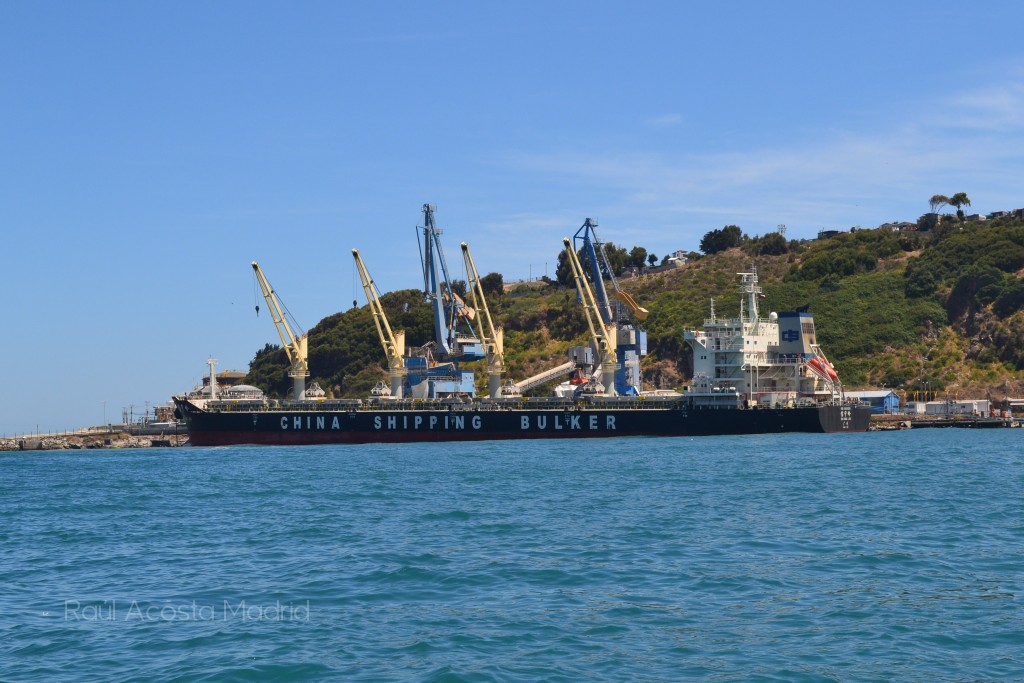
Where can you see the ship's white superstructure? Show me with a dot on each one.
(764, 361)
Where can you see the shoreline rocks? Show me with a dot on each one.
(91, 441)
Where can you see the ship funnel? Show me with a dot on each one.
(796, 333)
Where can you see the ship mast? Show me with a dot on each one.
(212, 362)
(749, 286)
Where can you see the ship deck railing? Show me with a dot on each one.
(452, 404)
(593, 402)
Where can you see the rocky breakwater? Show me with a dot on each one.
(80, 441)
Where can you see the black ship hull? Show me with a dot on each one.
(411, 421)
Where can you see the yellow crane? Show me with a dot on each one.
(492, 338)
(294, 346)
(602, 335)
(393, 342)
(639, 311)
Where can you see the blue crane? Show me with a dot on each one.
(631, 341)
(434, 373)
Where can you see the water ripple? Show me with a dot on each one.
(869, 557)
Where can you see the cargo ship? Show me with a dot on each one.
(222, 423)
(752, 375)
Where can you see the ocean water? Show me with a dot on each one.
(852, 557)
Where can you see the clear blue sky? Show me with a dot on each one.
(150, 151)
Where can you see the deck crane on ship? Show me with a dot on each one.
(393, 342)
(603, 335)
(433, 369)
(631, 342)
(491, 337)
(295, 346)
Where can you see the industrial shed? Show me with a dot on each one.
(886, 402)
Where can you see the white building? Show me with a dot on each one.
(980, 407)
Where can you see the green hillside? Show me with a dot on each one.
(893, 309)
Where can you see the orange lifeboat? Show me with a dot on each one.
(823, 368)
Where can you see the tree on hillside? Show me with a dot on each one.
(652, 259)
(637, 257)
(772, 244)
(719, 240)
(937, 202)
(563, 271)
(959, 200)
(459, 288)
(618, 258)
(493, 285)
(927, 222)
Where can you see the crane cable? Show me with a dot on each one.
(255, 301)
(285, 313)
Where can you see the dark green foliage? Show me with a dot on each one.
(268, 370)
(1010, 298)
(493, 285)
(920, 282)
(637, 257)
(868, 312)
(898, 378)
(565, 319)
(563, 271)
(942, 266)
(1008, 344)
(772, 244)
(977, 286)
(841, 263)
(859, 316)
(459, 288)
(909, 241)
(928, 222)
(850, 253)
(618, 259)
(719, 240)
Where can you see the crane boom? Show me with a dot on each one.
(492, 338)
(625, 297)
(595, 256)
(294, 346)
(602, 334)
(393, 342)
(452, 318)
(615, 306)
(593, 248)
